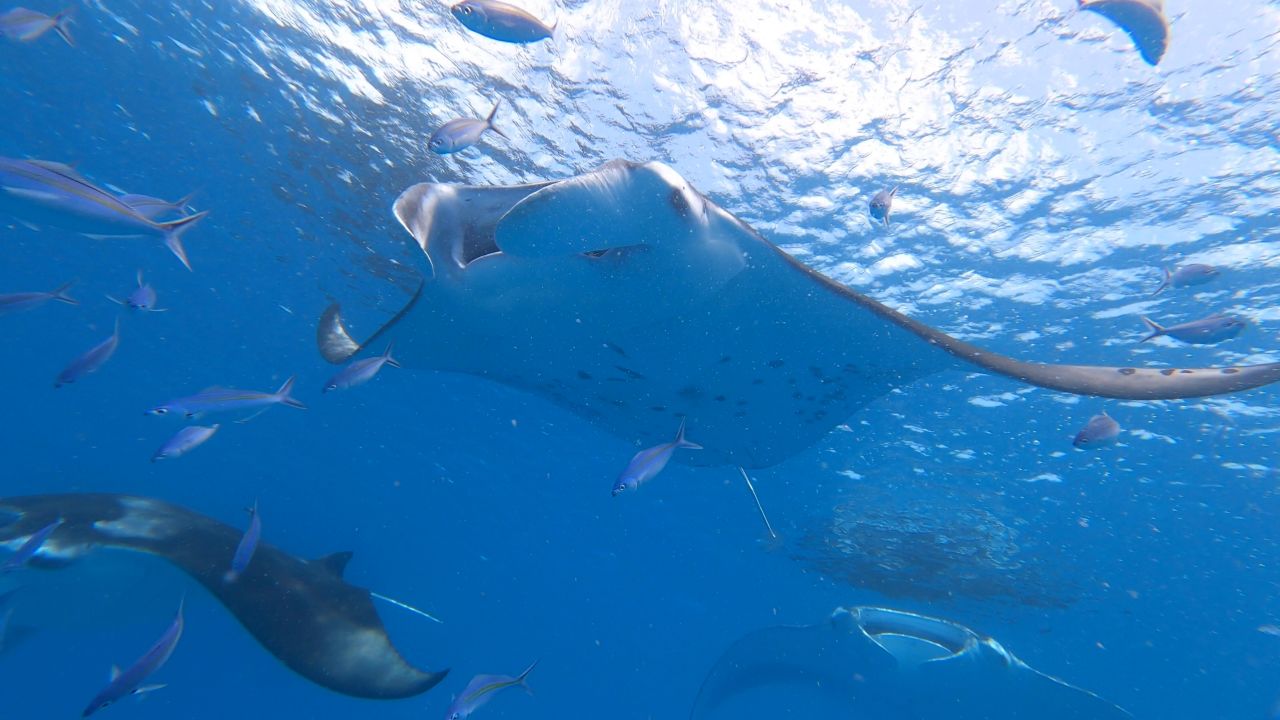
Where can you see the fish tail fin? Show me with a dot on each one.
(894, 191)
(62, 25)
(173, 231)
(489, 120)
(1168, 278)
(386, 356)
(681, 442)
(523, 678)
(60, 294)
(283, 395)
(1156, 330)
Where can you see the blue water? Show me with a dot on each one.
(1047, 174)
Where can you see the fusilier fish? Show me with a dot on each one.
(27, 25)
(89, 362)
(882, 205)
(218, 399)
(55, 194)
(29, 548)
(1187, 276)
(1101, 430)
(142, 298)
(21, 302)
(360, 372)
(462, 133)
(1205, 331)
(648, 463)
(184, 441)
(501, 21)
(129, 682)
(245, 549)
(151, 207)
(481, 690)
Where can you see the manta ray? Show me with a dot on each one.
(301, 611)
(631, 299)
(880, 663)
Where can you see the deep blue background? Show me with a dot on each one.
(491, 509)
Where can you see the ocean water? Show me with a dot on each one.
(1047, 175)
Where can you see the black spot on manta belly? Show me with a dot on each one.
(1230, 371)
(1127, 371)
(1167, 371)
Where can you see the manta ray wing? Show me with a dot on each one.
(627, 297)
(301, 611)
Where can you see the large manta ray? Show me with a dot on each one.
(883, 664)
(629, 298)
(302, 611)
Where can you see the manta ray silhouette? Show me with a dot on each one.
(302, 611)
(880, 663)
(627, 297)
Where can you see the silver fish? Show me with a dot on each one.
(648, 463)
(216, 399)
(29, 548)
(1205, 331)
(129, 682)
(882, 204)
(481, 690)
(462, 133)
(27, 25)
(55, 194)
(150, 207)
(1187, 276)
(1101, 430)
(247, 546)
(142, 298)
(501, 21)
(360, 372)
(184, 441)
(21, 302)
(90, 361)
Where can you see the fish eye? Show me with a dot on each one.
(465, 10)
(160, 411)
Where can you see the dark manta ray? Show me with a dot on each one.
(882, 664)
(629, 298)
(302, 611)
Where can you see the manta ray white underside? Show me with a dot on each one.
(626, 296)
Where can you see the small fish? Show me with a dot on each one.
(89, 362)
(1187, 276)
(27, 25)
(1269, 629)
(21, 302)
(462, 133)
(53, 193)
(648, 463)
(501, 21)
(248, 544)
(184, 441)
(129, 682)
(29, 548)
(882, 203)
(150, 207)
(1101, 430)
(360, 372)
(143, 298)
(481, 690)
(218, 399)
(1205, 331)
